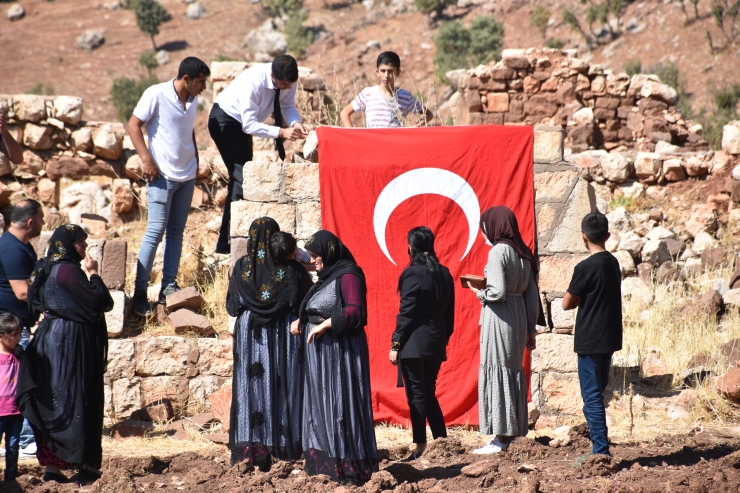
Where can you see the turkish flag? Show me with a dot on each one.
(377, 184)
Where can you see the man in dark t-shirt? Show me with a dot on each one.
(596, 289)
(17, 258)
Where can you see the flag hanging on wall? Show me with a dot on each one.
(377, 184)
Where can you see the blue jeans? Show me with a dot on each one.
(169, 204)
(11, 426)
(593, 375)
(27, 437)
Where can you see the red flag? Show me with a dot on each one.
(377, 184)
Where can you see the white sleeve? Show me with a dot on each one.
(287, 106)
(249, 108)
(148, 106)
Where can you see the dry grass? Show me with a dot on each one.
(160, 446)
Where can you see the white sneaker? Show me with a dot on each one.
(29, 452)
(492, 447)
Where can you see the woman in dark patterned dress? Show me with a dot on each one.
(265, 292)
(60, 386)
(338, 428)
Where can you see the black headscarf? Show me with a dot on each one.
(337, 258)
(267, 287)
(61, 251)
(499, 224)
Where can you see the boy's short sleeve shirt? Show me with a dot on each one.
(381, 112)
(598, 282)
(169, 127)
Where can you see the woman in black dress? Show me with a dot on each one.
(265, 292)
(423, 328)
(60, 386)
(338, 428)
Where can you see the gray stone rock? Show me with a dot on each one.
(15, 12)
(195, 11)
(626, 263)
(266, 39)
(162, 57)
(619, 220)
(90, 39)
(655, 252)
(616, 167)
(631, 242)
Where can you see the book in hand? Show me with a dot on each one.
(478, 282)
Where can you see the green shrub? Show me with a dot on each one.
(428, 6)
(41, 89)
(452, 41)
(298, 37)
(667, 72)
(554, 43)
(486, 35)
(149, 16)
(540, 18)
(725, 100)
(148, 60)
(633, 67)
(285, 7)
(126, 93)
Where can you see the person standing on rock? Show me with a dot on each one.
(169, 165)
(596, 291)
(8, 144)
(17, 258)
(265, 292)
(60, 384)
(238, 114)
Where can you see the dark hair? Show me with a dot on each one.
(421, 251)
(24, 210)
(193, 67)
(282, 244)
(9, 324)
(388, 58)
(595, 226)
(285, 68)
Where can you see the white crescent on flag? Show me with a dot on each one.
(421, 181)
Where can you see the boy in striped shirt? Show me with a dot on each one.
(385, 105)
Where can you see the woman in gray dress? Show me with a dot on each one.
(338, 428)
(510, 302)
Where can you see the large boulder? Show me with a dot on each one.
(29, 107)
(631, 242)
(81, 140)
(657, 90)
(626, 263)
(37, 137)
(68, 109)
(655, 252)
(647, 166)
(90, 39)
(108, 142)
(619, 220)
(15, 12)
(616, 167)
(82, 197)
(195, 11)
(122, 199)
(266, 39)
(731, 137)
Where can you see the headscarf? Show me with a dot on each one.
(499, 224)
(266, 286)
(337, 258)
(61, 251)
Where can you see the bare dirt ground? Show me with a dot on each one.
(698, 462)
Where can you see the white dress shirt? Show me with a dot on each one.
(249, 99)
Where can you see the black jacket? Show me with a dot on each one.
(424, 323)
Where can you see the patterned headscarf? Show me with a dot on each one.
(61, 244)
(267, 286)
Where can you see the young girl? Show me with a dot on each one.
(11, 421)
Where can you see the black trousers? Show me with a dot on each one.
(235, 148)
(420, 382)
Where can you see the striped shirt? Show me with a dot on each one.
(381, 112)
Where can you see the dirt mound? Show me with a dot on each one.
(443, 448)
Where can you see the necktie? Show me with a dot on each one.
(278, 116)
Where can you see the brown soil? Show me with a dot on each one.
(704, 462)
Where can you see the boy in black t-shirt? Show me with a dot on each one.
(596, 290)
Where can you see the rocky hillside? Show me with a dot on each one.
(41, 48)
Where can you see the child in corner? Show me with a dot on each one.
(596, 290)
(384, 103)
(11, 421)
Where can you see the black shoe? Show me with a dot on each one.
(140, 304)
(166, 291)
(87, 477)
(413, 456)
(54, 476)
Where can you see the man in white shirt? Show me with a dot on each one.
(237, 115)
(169, 166)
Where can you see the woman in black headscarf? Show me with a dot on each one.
(265, 292)
(338, 428)
(60, 386)
(510, 306)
